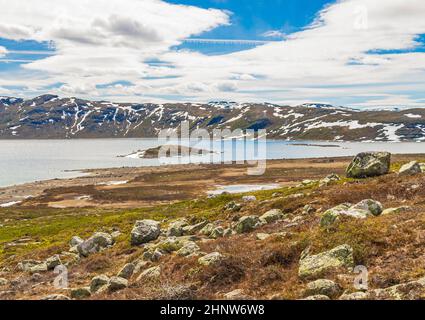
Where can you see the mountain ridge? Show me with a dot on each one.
(52, 117)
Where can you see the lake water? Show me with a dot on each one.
(33, 160)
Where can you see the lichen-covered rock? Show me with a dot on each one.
(369, 164)
(217, 233)
(211, 259)
(410, 169)
(150, 274)
(191, 230)
(329, 179)
(272, 216)
(247, 224)
(99, 283)
(80, 293)
(53, 262)
(188, 249)
(323, 287)
(319, 297)
(233, 206)
(395, 210)
(116, 284)
(355, 296)
(75, 241)
(95, 243)
(374, 207)
(3, 282)
(145, 231)
(176, 228)
(127, 271)
(331, 216)
(249, 198)
(314, 266)
(207, 229)
(32, 266)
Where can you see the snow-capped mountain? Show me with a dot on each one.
(49, 116)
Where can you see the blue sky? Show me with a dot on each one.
(352, 52)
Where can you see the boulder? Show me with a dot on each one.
(191, 230)
(96, 243)
(127, 271)
(329, 179)
(75, 241)
(145, 231)
(116, 284)
(150, 274)
(410, 169)
(323, 287)
(314, 266)
(80, 293)
(369, 164)
(354, 296)
(247, 224)
(395, 210)
(32, 266)
(217, 233)
(53, 262)
(211, 259)
(99, 283)
(272, 216)
(374, 207)
(207, 229)
(233, 206)
(175, 229)
(188, 249)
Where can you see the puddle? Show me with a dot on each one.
(243, 188)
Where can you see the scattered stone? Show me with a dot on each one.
(262, 236)
(56, 297)
(145, 231)
(75, 241)
(53, 262)
(188, 249)
(207, 230)
(317, 297)
(80, 293)
(237, 294)
(323, 287)
(422, 165)
(329, 179)
(116, 234)
(32, 266)
(191, 230)
(3, 282)
(272, 216)
(308, 209)
(395, 210)
(217, 233)
(211, 259)
(249, 198)
(374, 207)
(116, 284)
(369, 164)
(99, 283)
(247, 224)
(176, 228)
(277, 195)
(314, 266)
(410, 169)
(355, 296)
(96, 243)
(150, 274)
(232, 206)
(127, 271)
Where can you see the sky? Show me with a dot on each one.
(354, 53)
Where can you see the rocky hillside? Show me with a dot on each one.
(49, 116)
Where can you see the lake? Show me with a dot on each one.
(24, 161)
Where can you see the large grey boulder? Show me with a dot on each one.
(247, 224)
(188, 249)
(272, 216)
(95, 243)
(314, 266)
(369, 164)
(410, 169)
(145, 231)
(127, 271)
(374, 207)
(116, 284)
(323, 287)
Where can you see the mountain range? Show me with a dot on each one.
(52, 117)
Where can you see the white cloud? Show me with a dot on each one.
(102, 41)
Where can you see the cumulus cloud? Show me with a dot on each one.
(333, 59)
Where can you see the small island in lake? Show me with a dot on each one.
(171, 151)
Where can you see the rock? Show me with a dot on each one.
(152, 256)
(410, 169)
(277, 195)
(191, 230)
(56, 297)
(262, 236)
(355, 296)
(188, 249)
(272, 216)
(249, 198)
(145, 231)
(3, 282)
(331, 216)
(99, 283)
(308, 209)
(80, 293)
(75, 241)
(141, 265)
(237, 294)
(314, 266)
(115, 234)
(36, 277)
(232, 206)
(395, 210)
(150, 274)
(95, 243)
(317, 297)
(374, 207)
(53, 262)
(329, 179)
(323, 287)
(176, 228)
(116, 284)
(211, 259)
(217, 233)
(369, 164)
(247, 224)
(127, 271)
(32, 266)
(207, 229)
(422, 165)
